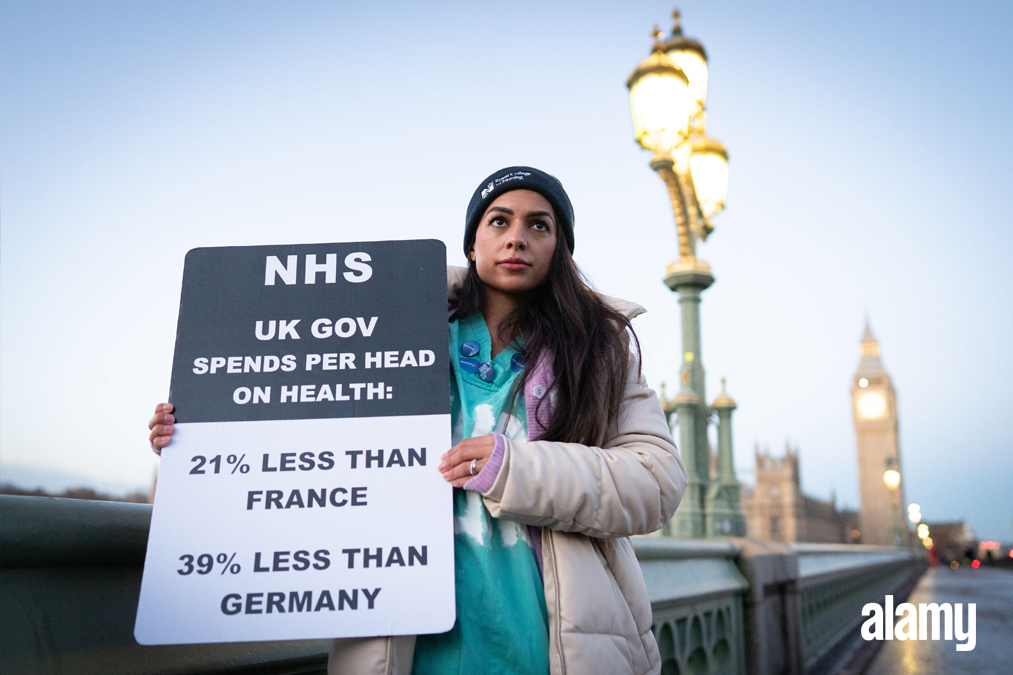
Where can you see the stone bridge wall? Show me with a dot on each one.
(70, 573)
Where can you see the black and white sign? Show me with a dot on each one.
(300, 496)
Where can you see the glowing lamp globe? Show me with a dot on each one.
(891, 478)
(660, 103)
(708, 165)
(690, 57)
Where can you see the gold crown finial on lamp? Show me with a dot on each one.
(676, 22)
(724, 400)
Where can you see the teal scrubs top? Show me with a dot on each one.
(502, 624)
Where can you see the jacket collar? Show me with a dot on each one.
(456, 275)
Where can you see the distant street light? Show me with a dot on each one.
(891, 477)
(914, 513)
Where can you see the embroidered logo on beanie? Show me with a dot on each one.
(516, 175)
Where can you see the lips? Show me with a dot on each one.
(514, 264)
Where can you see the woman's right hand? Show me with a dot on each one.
(161, 426)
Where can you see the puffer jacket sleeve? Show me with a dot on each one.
(630, 485)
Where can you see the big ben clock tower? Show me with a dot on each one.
(874, 406)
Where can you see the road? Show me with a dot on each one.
(991, 590)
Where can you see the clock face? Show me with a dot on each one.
(871, 405)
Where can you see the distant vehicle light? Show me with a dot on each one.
(975, 564)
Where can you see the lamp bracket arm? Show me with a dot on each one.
(700, 226)
(678, 199)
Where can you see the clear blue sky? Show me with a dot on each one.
(871, 168)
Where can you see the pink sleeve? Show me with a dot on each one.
(485, 478)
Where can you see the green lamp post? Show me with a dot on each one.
(668, 92)
(724, 506)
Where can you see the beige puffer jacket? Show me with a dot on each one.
(588, 501)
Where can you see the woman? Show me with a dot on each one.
(561, 452)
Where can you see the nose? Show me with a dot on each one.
(515, 238)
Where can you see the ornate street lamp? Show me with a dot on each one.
(668, 96)
(708, 160)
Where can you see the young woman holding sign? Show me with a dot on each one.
(561, 453)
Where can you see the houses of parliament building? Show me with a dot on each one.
(777, 509)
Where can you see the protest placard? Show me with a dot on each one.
(300, 496)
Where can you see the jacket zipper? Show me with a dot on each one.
(558, 620)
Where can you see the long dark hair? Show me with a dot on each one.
(589, 342)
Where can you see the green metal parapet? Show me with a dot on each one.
(70, 575)
(696, 594)
(835, 582)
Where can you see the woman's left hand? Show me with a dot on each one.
(455, 465)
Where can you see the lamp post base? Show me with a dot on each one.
(689, 521)
(725, 517)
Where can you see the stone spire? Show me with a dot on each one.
(869, 362)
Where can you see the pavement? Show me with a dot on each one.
(991, 590)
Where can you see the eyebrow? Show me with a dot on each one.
(540, 213)
(509, 212)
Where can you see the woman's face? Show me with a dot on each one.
(515, 241)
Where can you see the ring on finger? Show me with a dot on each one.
(473, 470)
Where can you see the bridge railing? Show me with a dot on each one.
(696, 593)
(70, 574)
(836, 581)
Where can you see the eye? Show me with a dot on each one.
(498, 221)
(540, 225)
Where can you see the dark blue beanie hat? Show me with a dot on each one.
(519, 178)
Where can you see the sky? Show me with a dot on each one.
(869, 150)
